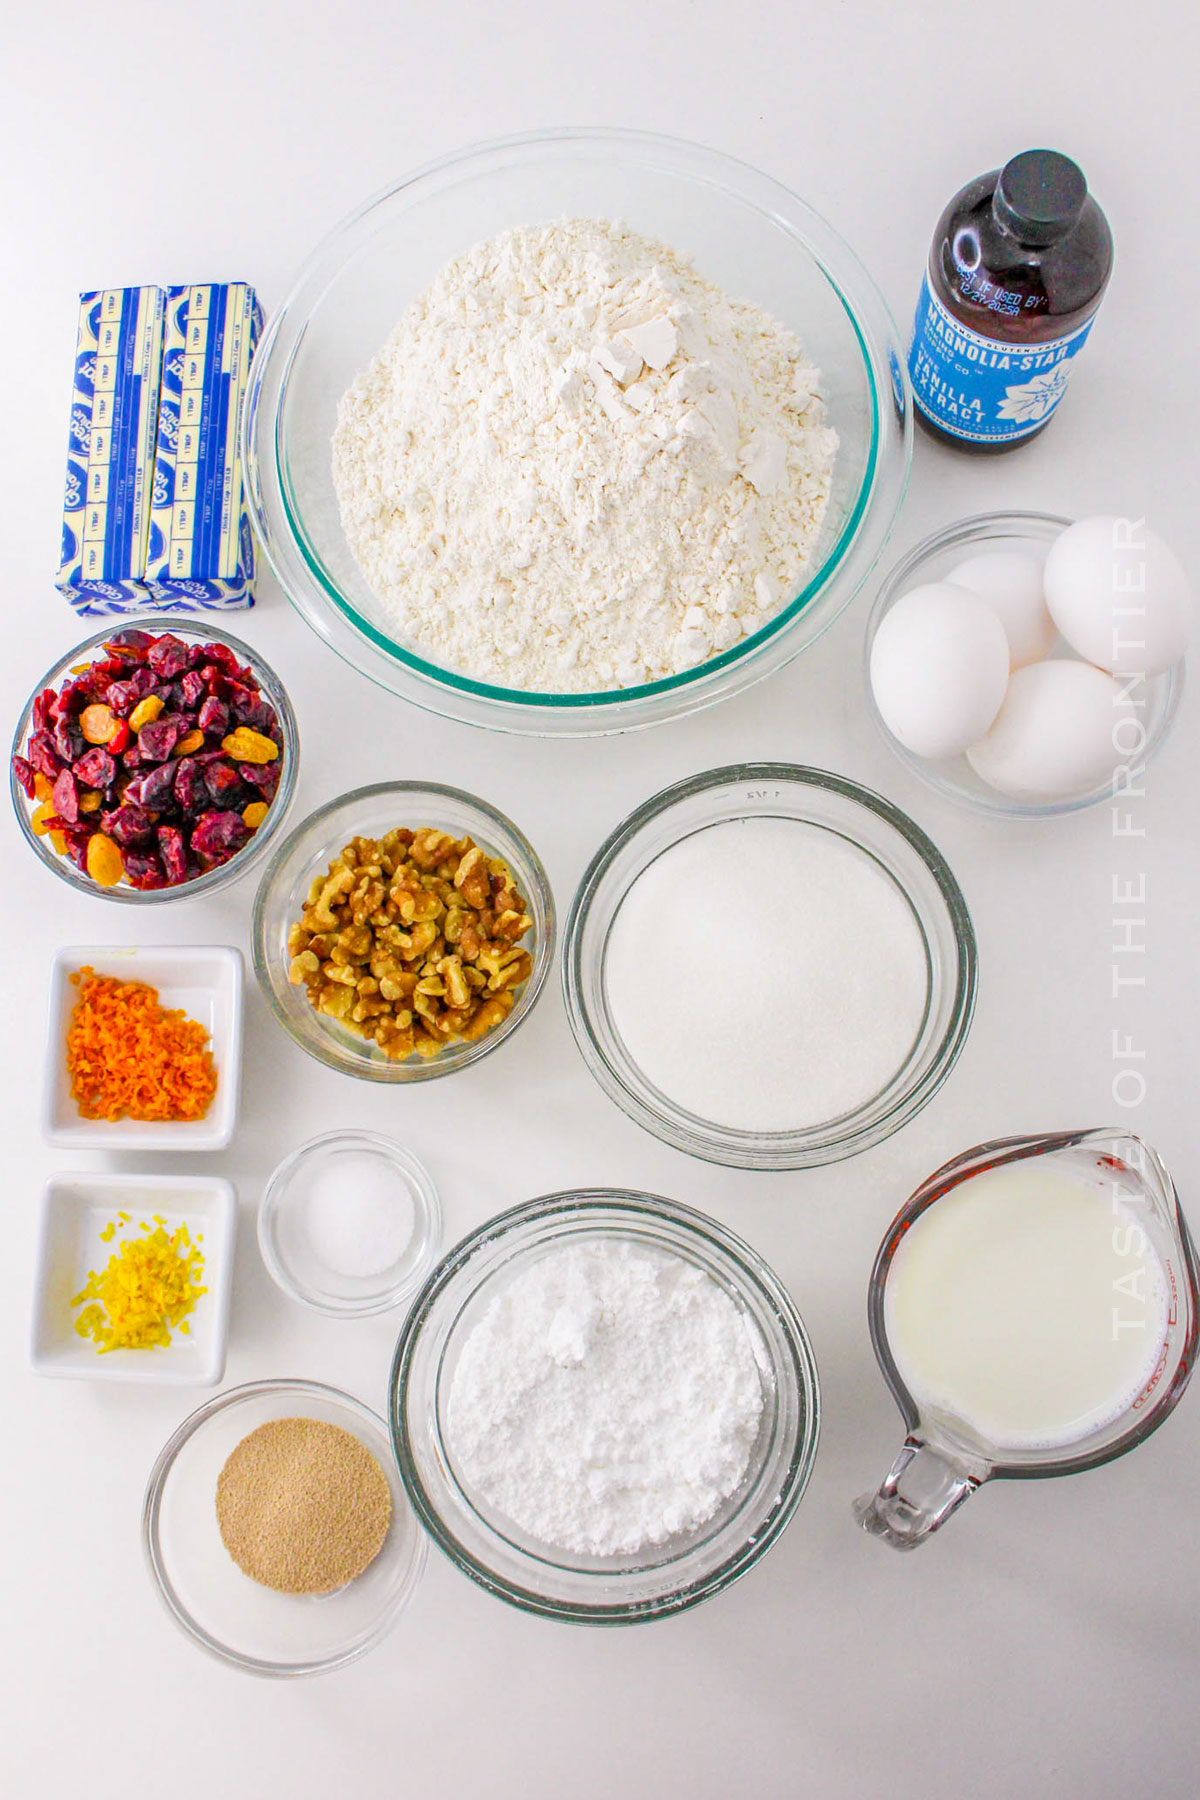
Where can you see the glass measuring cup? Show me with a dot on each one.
(943, 1459)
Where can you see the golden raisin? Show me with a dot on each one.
(145, 712)
(254, 814)
(104, 863)
(194, 740)
(249, 746)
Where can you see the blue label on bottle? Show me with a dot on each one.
(979, 388)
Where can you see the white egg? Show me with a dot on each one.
(1119, 595)
(1011, 583)
(939, 665)
(1054, 735)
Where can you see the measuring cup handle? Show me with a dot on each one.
(922, 1488)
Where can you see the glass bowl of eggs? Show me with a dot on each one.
(1028, 666)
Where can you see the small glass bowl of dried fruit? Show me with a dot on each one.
(403, 931)
(155, 760)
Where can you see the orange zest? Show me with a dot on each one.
(128, 1057)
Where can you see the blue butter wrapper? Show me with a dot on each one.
(110, 456)
(201, 551)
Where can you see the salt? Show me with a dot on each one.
(766, 975)
(358, 1216)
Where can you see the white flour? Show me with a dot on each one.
(608, 1398)
(577, 465)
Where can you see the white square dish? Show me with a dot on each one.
(206, 980)
(75, 1209)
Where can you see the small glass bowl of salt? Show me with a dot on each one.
(350, 1224)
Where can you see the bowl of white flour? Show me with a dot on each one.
(604, 1406)
(577, 433)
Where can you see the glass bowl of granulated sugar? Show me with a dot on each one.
(769, 966)
(604, 1407)
(576, 433)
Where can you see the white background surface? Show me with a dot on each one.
(1047, 1643)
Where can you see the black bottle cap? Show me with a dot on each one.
(1039, 196)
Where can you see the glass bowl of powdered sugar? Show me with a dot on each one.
(578, 432)
(604, 1407)
(770, 967)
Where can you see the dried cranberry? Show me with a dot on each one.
(68, 740)
(263, 776)
(218, 835)
(131, 756)
(130, 824)
(192, 689)
(214, 716)
(132, 792)
(43, 756)
(173, 852)
(77, 848)
(256, 714)
(42, 716)
(24, 774)
(96, 769)
(224, 784)
(214, 678)
(158, 787)
(132, 645)
(144, 869)
(170, 657)
(123, 696)
(66, 797)
(157, 740)
(221, 653)
(191, 793)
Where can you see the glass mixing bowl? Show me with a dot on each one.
(198, 631)
(232, 1617)
(494, 1551)
(746, 232)
(1156, 700)
(307, 852)
(876, 828)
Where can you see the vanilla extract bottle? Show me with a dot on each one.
(1017, 269)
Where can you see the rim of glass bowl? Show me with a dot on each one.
(501, 837)
(859, 544)
(427, 1221)
(975, 531)
(540, 1222)
(835, 1139)
(152, 1508)
(245, 858)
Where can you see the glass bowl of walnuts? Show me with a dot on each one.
(403, 931)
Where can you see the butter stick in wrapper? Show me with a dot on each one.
(114, 421)
(201, 552)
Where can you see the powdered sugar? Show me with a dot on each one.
(607, 1399)
(577, 465)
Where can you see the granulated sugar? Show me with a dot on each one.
(577, 465)
(765, 975)
(606, 1399)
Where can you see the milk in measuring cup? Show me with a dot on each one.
(1028, 1303)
